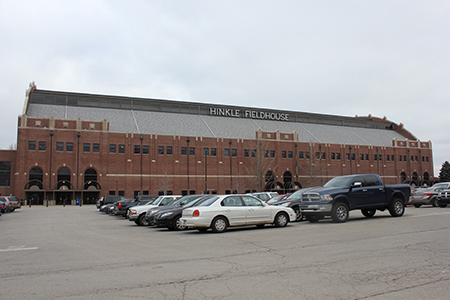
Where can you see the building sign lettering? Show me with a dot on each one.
(252, 114)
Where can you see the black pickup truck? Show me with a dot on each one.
(345, 193)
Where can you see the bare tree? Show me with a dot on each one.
(260, 164)
(164, 183)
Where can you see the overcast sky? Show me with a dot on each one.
(384, 58)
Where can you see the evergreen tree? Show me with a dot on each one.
(444, 173)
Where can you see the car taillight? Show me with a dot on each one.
(120, 205)
(196, 213)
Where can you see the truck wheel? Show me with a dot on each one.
(281, 219)
(397, 207)
(313, 218)
(298, 214)
(368, 213)
(434, 202)
(143, 221)
(219, 224)
(339, 214)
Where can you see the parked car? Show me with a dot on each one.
(293, 201)
(170, 217)
(151, 213)
(264, 196)
(137, 214)
(15, 202)
(345, 193)
(121, 207)
(276, 199)
(443, 198)
(427, 196)
(2, 207)
(221, 212)
(108, 199)
(8, 205)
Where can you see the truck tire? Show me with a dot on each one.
(397, 207)
(368, 213)
(142, 221)
(434, 202)
(339, 213)
(298, 214)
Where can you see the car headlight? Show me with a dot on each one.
(326, 198)
(152, 212)
(285, 204)
(165, 215)
(133, 212)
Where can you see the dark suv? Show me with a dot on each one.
(109, 199)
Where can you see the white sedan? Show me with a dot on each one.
(220, 212)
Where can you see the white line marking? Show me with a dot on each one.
(18, 248)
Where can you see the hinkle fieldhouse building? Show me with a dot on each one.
(74, 145)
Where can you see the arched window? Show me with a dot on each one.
(403, 176)
(90, 175)
(63, 178)
(36, 177)
(287, 177)
(269, 177)
(415, 176)
(426, 176)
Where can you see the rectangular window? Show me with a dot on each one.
(145, 149)
(338, 156)
(246, 153)
(367, 157)
(380, 157)
(112, 192)
(404, 157)
(375, 157)
(160, 150)
(415, 158)
(392, 157)
(272, 153)
(59, 146)
(333, 156)
(96, 148)
(253, 152)
(226, 152)
(86, 147)
(283, 154)
(412, 157)
(426, 158)
(388, 157)
(213, 151)
(205, 151)
(137, 149)
(266, 153)
(169, 150)
(112, 148)
(361, 156)
(317, 155)
(42, 146)
(233, 152)
(301, 155)
(183, 151)
(289, 154)
(307, 154)
(5, 173)
(69, 147)
(121, 148)
(399, 158)
(191, 151)
(323, 155)
(31, 145)
(353, 156)
(121, 193)
(347, 156)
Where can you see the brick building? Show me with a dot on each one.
(74, 145)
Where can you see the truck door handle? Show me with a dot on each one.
(364, 190)
(381, 189)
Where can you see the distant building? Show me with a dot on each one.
(74, 145)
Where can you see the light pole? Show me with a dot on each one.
(378, 163)
(141, 151)
(231, 170)
(320, 163)
(205, 152)
(350, 158)
(187, 150)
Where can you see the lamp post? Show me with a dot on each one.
(205, 153)
(187, 150)
(378, 163)
(231, 170)
(141, 151)
(350, 158)
(320, 164)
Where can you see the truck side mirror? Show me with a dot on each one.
(356, 184)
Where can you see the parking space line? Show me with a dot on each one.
(18, 248)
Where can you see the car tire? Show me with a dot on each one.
(219, 225)
(340, 212)
(397, 207)
(313, 218)
(368, 213)
(417, 205)
(434, 202)
(298, 214)
(177, 225)
(281, 219)
(143, 221)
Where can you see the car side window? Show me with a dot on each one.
(371, 181)
(250, 201)
(358, 179)
(232, 201)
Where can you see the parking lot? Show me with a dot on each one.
(79, 253)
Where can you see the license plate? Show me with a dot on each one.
(184, 222)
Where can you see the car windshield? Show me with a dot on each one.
(296, 195)
(440, 185)
(338, 182)
(206, 201)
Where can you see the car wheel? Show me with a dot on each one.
(177, 224)
(397, 207)
(219, 224)
(339, 214)
(368, 213)
(434, 202)
(143, 221)
(281, 219)
(313, 218)
(298, 214)
(417, 205)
